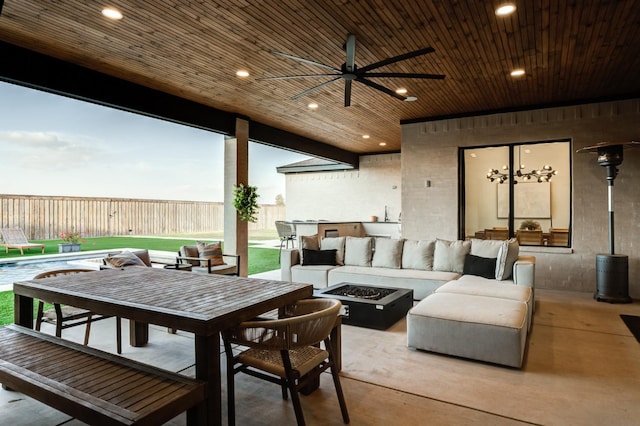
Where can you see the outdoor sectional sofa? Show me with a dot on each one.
(476, 297)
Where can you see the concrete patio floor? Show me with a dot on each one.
(582, 367)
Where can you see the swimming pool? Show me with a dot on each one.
(26, 270)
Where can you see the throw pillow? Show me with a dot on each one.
(480, 266)
(506, 258)
(318, 257)
(309, 242)
(388, 253)
(449, 255)
(211, 251)
(358, 251)
(336, 243)
(485, 248)
(418, 254)
(126, 258)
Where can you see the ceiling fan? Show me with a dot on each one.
(349, 72)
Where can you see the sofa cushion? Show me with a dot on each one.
(388, 253)
(125, 258)
(336, 243)
(418, 254)
(450, 255)
(486, 248)
(318, 257)
(211, 251)
(480, 266)
(423, 283)
(507, 256)
(358, 251)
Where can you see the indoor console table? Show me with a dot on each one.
(197, 303)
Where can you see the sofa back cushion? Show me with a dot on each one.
(336, 243)
(418, 254)
(358, 251)
(507, 256)
(486, 248)
(450, 255)
(387, 253)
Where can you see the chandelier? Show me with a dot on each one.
(542, 175)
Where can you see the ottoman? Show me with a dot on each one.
(478, 286)
(477, 327)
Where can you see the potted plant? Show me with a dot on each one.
(530, 225)
(246, 202)
(72, 240)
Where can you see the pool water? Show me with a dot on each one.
(20, 271)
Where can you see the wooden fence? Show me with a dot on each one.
(44, 218)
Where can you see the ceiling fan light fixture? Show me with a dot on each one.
(505, 9)
(242, 73)
(517, 72)
(112, 13)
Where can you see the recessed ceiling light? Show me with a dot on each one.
(313, 105)
(517, 73)
(112, 13)
(365, 136)
(411, 99)
(242, 73)
(401, 91)
(382, 144)
(506, 9)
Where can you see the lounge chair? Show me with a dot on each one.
(15, 238)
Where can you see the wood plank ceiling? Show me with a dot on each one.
(570, 50)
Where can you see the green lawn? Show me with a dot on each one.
(260, 259)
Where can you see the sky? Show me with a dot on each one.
(57, 146)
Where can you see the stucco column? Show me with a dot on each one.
(236, 171)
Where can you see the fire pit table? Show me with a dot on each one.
(370, 306)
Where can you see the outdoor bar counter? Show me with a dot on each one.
(343, 228)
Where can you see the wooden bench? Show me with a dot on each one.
(95, 387)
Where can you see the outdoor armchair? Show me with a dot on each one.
(208, 258)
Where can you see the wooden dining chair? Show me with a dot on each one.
(286, 351)
(65, 316)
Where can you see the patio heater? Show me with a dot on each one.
(612, 270)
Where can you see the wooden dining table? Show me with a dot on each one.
(198, 303)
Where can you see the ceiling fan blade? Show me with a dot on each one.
(397, 59)
(350, 48)
(289, 77)
(380, 88)
(306, 61)
(347, 92)
(404, 75)
(314, 88)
